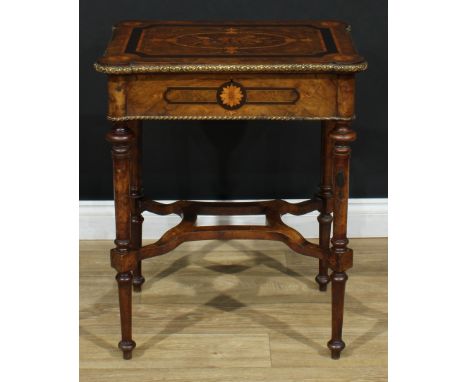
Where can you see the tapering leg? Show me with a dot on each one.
(341, 257)
(122, 258)
(136, 193)
(124, 280)
(325, 193)
(336, 344)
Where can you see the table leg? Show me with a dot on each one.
(341, 257)
(121, 138)
(325, 193)
(136, 193)
(124, 281)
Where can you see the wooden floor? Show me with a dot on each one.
(234, 311)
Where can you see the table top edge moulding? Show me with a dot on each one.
(130, 68)
(231, 70)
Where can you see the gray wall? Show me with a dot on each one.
(235, 160)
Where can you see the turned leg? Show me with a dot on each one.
(325, 194)
(341, 257)
(136, 194)
(122, 258)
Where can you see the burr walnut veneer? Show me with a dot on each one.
(302, 70)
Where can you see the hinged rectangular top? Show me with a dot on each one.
(260, 46)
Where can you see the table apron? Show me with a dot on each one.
(231, 96)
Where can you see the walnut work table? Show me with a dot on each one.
(231, 71)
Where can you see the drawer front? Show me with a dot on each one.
(235, 97)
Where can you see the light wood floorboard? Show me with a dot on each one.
(233, 311)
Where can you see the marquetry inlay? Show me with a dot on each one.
(231, 95)
(289, 46)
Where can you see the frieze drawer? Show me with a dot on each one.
(224, 96)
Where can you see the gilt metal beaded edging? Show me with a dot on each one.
(288, 68)
(223, 117)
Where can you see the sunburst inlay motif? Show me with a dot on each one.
(231, 95)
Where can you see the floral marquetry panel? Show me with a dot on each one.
(293, 46)
(215, 40)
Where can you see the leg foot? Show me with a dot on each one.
(138, 283)
(322, 278)
(336, 346)
(138, 278)
(127, 348)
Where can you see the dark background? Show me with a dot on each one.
(234, 159)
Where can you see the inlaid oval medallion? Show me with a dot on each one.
(231, 41)
(231, 95)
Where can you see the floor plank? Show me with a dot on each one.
(181, 351)
(234, 311)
